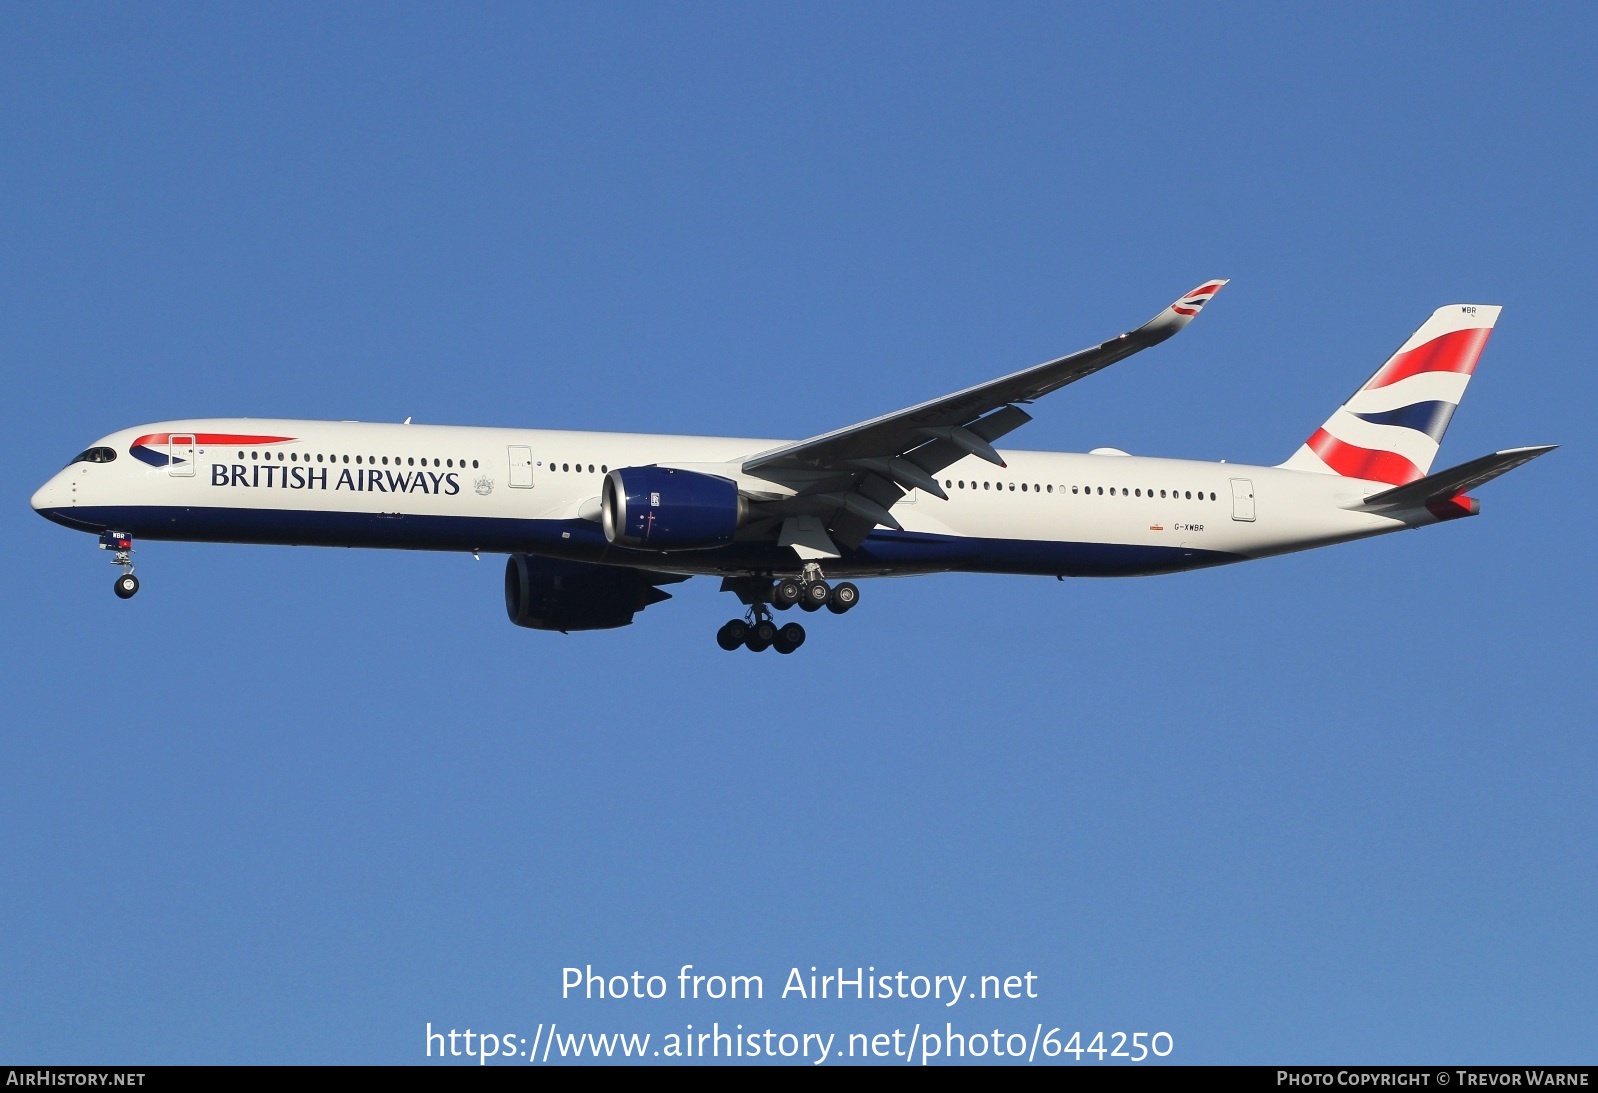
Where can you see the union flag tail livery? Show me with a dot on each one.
(1191, 304)
(596, 523)
(1390, 430)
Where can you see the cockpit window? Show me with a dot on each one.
(96, 455)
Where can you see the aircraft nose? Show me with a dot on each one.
(48, 496)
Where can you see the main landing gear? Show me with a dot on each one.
(121, 544)
(760, 634)
(757, 632)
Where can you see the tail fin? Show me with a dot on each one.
(1389, 430)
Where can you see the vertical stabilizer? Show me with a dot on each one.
(1390, 429)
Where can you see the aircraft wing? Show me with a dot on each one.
(848, 479)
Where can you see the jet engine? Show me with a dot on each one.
(548, 594)
(659, 508)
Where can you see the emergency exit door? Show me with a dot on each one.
(521, 467)
(1242, 499)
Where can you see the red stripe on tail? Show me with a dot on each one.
(1352, 461)
(1457, 351)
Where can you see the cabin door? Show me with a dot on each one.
(180, 455)
(1242, 499)
(521, 467)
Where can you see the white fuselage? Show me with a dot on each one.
(537, 491)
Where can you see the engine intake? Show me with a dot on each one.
(659, 508)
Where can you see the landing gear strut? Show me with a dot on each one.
(121, 544)
(757, 632)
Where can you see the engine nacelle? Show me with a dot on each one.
(548, 594)
(658, 508)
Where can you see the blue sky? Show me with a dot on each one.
(290, 805)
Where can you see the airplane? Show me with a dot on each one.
(595, 524)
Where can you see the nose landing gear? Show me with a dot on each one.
(121, 544)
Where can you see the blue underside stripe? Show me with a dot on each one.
(579, 540)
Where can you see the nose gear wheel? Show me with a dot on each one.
(121, 545)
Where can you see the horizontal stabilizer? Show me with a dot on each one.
(1445, 485)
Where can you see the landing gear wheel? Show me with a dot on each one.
(844, 597)
(817, 594)
(787, 593)
(126, 586)
(789, 638)
(732, 635)
(761, 636)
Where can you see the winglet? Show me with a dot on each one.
(1194, 301)
(1179, 314)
